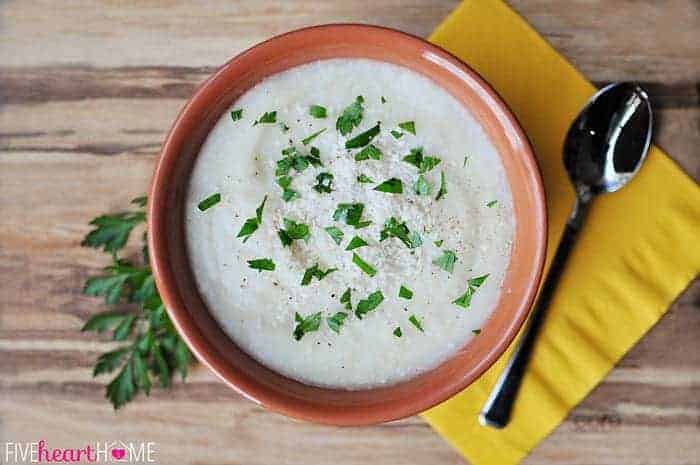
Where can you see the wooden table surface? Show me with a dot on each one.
(87, 92)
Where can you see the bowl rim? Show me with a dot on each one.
(289, 406)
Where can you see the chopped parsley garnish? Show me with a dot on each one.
(351, 117)
(371, 151)
(237, 114)
(466, 157)
(268, 117)
(364, 179)
(336, 321)
(396, 134)
(383, 100)
(472, 285)
(422, 186)
(492, 203)
(390, 186)
(397, 332)
(423, 163)
(446, 261)
(323, 183)
(262, 264)
(351, 213)
(443, 187)
(476, 331)
(293, 158)
(415, 322)
(283, 127)
(362, 138)
(345, 299)
(372, 301)
(438, 243)
(315, 272)
(287, 194)
(307, 140)
(335, 233)
(363, 265)
(209, 202)
(392, 228)
(251, 224)
(405, 293)
(355, 243)
(294, 231)
(306, 325)
(408, 126)
(317, 111)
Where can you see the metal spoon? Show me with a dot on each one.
(603, 150)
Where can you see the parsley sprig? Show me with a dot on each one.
(153, 351)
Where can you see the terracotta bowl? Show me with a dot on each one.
(174, 278)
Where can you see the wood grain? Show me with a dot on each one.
(87, 93)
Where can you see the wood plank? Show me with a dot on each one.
(627, 39)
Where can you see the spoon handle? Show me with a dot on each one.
(497, 409)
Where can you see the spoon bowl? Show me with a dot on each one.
(603, 148)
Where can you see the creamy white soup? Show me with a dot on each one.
(349, 224)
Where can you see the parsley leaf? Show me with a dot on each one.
(415, 322)
(307, 140)
(423, 163)
(438, 243)
(363, 265)
(422, 186)
(390, 186)
(209, 202)
(443, 186)
(345, 299)
(371, 151)
(472, 285)
(317, 111)
(363, 138)
(383, 100)
(446, 261)
(251, 224)
(492, 203)
(262, 264)
(287, 194)
(315, 272)
(335, 233)
(112, 231)
(372, 301)
(396, 134)
(120, 282)
(397, 332)
(336, 321)
(283, 126)
(392, 228)
(408, 126)
(306, 325)
(323, 183)
(364, 179)
(351, 213)
(355, 243)
(351, 117)
(237, 114)
(293, 158)
(294, 231)
(405, 293)
(266, 118)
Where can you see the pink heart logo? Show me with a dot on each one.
(118, 454)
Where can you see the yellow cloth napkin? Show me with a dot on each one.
(637, 252)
